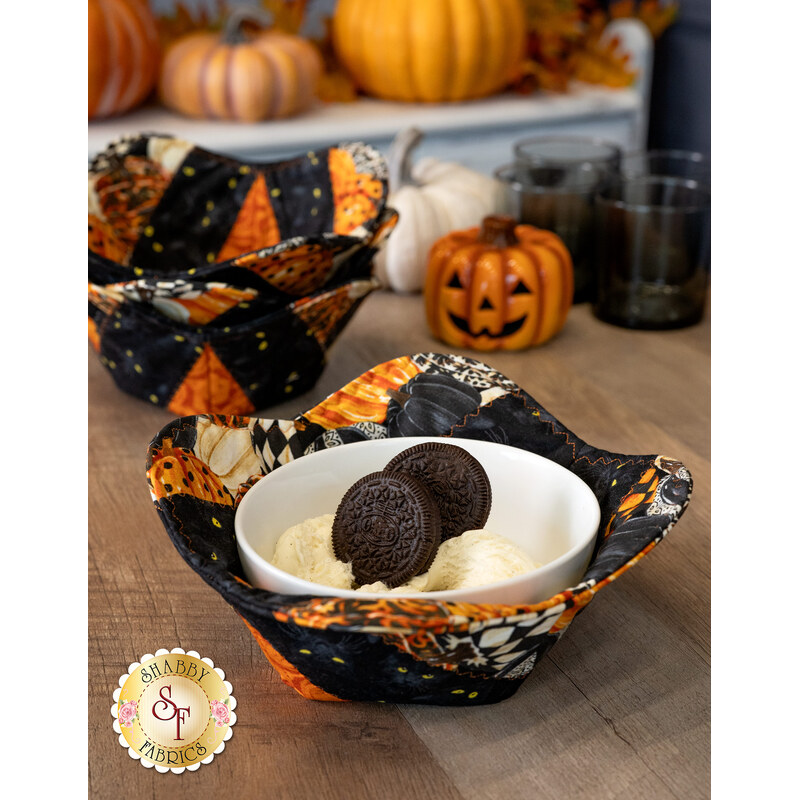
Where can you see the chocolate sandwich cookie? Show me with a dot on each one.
(456, 479)
(388, 526)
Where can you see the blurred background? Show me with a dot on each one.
(680, 106)
(561, 48)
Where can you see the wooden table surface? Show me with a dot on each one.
(620, 707)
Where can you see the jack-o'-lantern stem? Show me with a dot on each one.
(498, 230)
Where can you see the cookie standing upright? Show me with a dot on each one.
(456, 479)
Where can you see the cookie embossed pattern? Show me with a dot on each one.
(173, 710)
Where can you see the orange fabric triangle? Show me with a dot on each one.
(255, 225)
(210, 388)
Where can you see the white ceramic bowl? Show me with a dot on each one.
(539, 505)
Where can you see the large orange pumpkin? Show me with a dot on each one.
(503, 286)
(430, 50)
(123, 55)
(238, 76)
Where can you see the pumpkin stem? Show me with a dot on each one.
(399, 397)
(499, 230)
(232, 33)
(400, 157)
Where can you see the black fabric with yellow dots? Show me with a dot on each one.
(395, 649)
(218, 285)
(176, 224)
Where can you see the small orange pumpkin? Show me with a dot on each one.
(503, 286)
(240, 76)
(123, 55)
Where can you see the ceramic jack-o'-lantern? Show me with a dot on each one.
(502, 286)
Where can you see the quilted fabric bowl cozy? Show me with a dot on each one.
(394, 649)
(218, 285)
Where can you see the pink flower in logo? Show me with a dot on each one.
(220, 712)
(127, 713)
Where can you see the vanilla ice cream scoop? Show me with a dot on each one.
(472, 559)
(476, 558)
(306, 551)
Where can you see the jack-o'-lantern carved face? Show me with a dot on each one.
(506, 286)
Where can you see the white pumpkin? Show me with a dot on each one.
(432, 198)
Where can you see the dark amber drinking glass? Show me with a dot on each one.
(652, 251)
(686, 164)
(552, 184)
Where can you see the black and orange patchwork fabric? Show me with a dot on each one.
(200, 264)
(395, 649)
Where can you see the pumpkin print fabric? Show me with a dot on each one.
(199, 264)
(401, 649)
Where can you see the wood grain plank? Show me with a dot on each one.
(546, 741)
